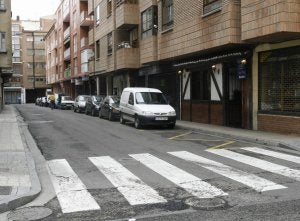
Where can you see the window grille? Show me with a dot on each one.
(279, 81)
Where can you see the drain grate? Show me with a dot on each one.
(29, 213)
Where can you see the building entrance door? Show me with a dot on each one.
(232, 97)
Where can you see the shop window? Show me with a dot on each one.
(210, 6)
(279, 81)
(149, 22)
(167, 14)
(200, 85)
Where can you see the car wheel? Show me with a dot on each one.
(171, 126)
(122, 121)
(110, 116)
(74, 109)
(137, 123)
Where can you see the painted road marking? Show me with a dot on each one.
(278, 155)
(257, 183)
(262, 164)
(221, 145)
(187, 181)
(16, 180)
(133, 189)
(180, 135)
(72, 194)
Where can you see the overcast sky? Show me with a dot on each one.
(33, 9)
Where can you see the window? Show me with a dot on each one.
(38, 38)
(167, 14)
(149, 22)
(2, 42)
(2, 6)
(109, 8)
(29, 38)
(130, 100)
(98, 49)
(211, 6)
(109, 44)
(97, 15)
(200, 85)
(279, 81)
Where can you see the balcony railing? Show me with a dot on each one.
(67, 73)
(86, 19)
(67, 33)
(127, 15)
(67, 53)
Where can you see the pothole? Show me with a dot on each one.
(29, 213)
(206, 204)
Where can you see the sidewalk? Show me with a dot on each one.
(272, 139)
(19, 183)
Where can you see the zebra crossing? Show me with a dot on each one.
(73, 195)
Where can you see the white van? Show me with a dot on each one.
(146, 106)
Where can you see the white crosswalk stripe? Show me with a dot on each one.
(262, 164)
(71, 192)
(257, 183)
(187, 181)
(133, 189)
(270, 153)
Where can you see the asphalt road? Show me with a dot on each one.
(102, 170)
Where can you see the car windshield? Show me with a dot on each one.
(115, 99)
(97, 99)
(66, 98)
(150, 98)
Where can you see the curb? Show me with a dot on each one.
(268, 142)
(13, 202)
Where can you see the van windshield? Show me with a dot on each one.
(150, 98)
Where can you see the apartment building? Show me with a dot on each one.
(5, 46)
(225, 62)
(68, 51)
(14, 92)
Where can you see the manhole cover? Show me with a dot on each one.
(29, 213)
(206, 204)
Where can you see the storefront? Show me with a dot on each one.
(277, 71)
(216, 89)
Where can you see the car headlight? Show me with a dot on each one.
(172, 113)
(147, 113)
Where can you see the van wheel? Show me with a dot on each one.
(110, 116)
(122, 121)
(137, 123)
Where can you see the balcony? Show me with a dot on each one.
(90, 7)
(127, 14)
(266, 21)
(66, 11)
(84, 42)
(67, 54)
(67, 34)
(127, 56)
(86, 19)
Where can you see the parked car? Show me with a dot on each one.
(66, 102)
(80, 102)
(146, 106)
(93, 105)
(109, 107)
(38, 101)
(44, 102)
